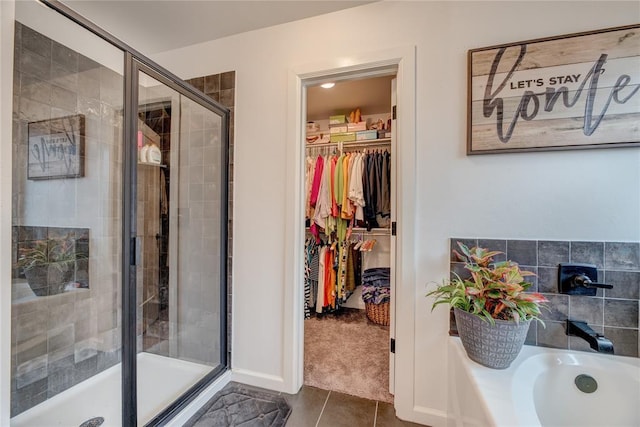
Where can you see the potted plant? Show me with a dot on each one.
(492, 309)
(49, 264)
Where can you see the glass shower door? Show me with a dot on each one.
(179, 231)
(118, 282)
(67, 221)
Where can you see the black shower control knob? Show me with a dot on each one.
(581, 280)
(585, 281)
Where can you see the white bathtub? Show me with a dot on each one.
(160, 380)
(538, 389)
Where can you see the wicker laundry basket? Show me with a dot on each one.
(378, 313)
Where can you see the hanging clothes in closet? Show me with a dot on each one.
(377, 190)
(347, 190)
(332, 272)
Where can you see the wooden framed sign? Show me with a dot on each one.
(56, 148)
(558, 93)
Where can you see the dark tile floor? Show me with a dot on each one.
(313, 407)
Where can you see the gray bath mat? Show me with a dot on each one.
(240, 405)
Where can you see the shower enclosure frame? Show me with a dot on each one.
(135, 62)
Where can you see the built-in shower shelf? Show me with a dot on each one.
(152, 164)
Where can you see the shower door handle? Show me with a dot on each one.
(132, 251)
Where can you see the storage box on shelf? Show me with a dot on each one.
(343, 137)
(383, 133)
(338, 129)
(317, 138)
(366, 135)
(315, 135)
(337, 119)
(358, 126)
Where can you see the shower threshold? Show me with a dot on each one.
(161, 380)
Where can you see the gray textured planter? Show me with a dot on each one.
(494, 346)
(47, 279)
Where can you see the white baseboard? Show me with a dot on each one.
(193, 407)
(428, 416)
(257, 379)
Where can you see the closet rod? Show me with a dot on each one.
(368, 143)
(372, 232)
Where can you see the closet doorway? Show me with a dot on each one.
(349, 248)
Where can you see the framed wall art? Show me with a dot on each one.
(56, 148)
(572, 91)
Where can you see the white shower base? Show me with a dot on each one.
(160, 381)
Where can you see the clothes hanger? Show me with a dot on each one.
(368, 245)
(359, 243)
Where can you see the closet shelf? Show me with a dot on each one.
(367, 142)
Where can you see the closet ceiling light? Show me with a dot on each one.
(327, 85)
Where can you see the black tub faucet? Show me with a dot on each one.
(579, 279)
(597, 341)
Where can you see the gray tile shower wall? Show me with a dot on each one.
(221, 88)
(613, 312)
(59, 340)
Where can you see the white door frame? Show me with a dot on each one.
(404, 58)
(7, 16)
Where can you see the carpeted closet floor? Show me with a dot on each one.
(346, 352)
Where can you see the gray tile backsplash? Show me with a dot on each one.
(625, 341)
(587, 309)
(614, 312)
(622, 256)
(552, 335)
(588, 253)
(524, 252)
(558, 308)
(626, 284)
(551, 253)
(495, 245)
(621, 313)
(547, 279)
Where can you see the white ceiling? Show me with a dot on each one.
(372, 95)
(156, 26)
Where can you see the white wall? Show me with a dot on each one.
(572, 195)
(7, 10)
